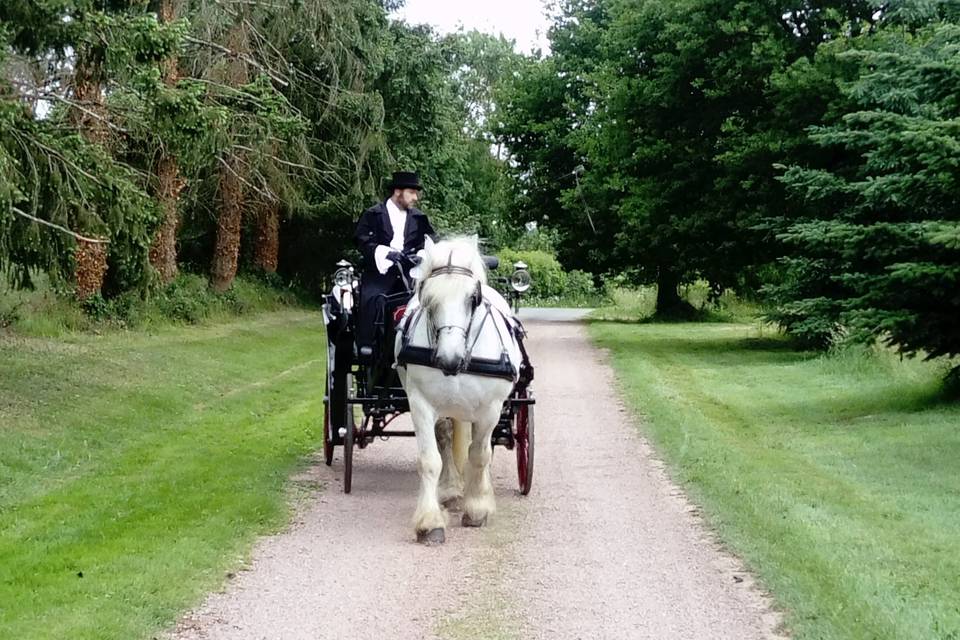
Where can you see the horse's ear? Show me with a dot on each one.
(474, 240)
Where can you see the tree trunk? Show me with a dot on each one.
(90, 259)
(227, 247)
(163, 252)
(668, 295)
(87, 115)
(266, 251)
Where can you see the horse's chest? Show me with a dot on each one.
(460, 396)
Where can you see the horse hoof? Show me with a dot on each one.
(467, 521)
(434, 536)
(453, 504)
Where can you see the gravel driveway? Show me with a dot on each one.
(603, 547)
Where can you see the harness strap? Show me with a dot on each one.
(424, 356)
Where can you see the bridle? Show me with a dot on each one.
(476, 301)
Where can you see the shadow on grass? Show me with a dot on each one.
(950, 389)
(698, 316)
(859, 406)
(722, 351)
(841, 387)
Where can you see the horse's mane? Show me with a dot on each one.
(464, 253)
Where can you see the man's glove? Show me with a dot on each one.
(394, 256)
(411, 258)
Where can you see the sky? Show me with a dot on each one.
(518, 20)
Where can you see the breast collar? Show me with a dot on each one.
(426, 355)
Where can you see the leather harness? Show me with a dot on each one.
(427, 356)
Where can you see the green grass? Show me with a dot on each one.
(565, 302)
(147, 464)
(836, 477)
(625, 304)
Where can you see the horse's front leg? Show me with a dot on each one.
(429, 521)
(451, 480)
(479, 502)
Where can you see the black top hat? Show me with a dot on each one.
(405, 180)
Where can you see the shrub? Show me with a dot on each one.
(186, 299)
(549, 279)
(551, 284)
(580, 284)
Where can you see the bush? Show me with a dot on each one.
(551, 284)
(549, 279)
(580, 284)
(190, 299)
(45, 312)
(186, 299)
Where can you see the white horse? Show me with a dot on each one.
(461, 319)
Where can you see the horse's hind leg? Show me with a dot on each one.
(451, 482)
(461, 444)
(479, 501)
(428, 520)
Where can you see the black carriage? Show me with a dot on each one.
(363, 393)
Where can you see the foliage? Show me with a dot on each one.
(878, 257)
(54, 173)
(308, 104)
(437, 92)
(667, 107)
(548, 276)
(41, 312)
(541, 105)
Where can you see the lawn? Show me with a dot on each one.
(137, 469)
(836, 477)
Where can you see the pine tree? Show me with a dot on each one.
(880, 259)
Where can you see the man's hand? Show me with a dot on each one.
(411, 258)
(395, 256)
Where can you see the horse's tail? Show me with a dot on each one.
(461, 443)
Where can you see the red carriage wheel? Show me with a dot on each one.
(523, 437)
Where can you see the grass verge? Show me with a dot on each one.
(46, 312)
(836, 477)
(136, 470)
(623, 304)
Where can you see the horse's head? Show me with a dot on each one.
(451, 275)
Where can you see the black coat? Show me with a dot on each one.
(374, 229)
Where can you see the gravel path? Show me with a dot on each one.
(603, 547)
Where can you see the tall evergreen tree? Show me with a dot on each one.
(58, 134)
(880, 258)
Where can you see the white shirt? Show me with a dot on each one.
(398, 220)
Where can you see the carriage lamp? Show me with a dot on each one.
(344, 274)
(520, 278)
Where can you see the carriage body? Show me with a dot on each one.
(363, 394)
